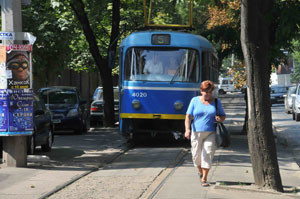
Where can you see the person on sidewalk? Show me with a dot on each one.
(201, 116)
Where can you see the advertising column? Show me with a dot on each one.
(16, 90)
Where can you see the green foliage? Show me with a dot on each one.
(286, 24)
(168, 11)
(41, 20)
(61, 42)
(296, 56)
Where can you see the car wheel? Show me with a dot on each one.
(293, 116)
(297, 117)
(222, 92)
(31, 145)
(79, 130)
(47, 147)
(93, 121)
(85, 126)
(82, 128)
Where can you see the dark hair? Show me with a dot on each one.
(207, 85)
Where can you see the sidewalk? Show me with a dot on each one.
(43, 177)
(231, 175)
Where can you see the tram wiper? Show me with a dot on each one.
(175, 75)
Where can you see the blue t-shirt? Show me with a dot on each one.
(204, 115)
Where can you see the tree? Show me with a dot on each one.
(222, 29)
(296, 56)
(52, 37)
(105, 71)
(256, 27)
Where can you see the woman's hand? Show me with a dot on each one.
(187, 134)
(220, 118)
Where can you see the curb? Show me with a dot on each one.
(249, 187)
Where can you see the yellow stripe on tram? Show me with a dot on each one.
(152, 116)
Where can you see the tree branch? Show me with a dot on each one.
(79, 10)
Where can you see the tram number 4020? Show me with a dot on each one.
(139, 94)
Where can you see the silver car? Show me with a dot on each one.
(96, 109)
(296, 104)
(288, 101)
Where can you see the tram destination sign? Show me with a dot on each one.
(161, 39)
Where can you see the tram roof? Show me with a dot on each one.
(178, 39)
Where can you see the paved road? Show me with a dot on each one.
(86, 150)
(283, 122)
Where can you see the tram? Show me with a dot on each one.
(160, 72)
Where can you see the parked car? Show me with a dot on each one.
(296, 104)
(277, 93)
(42, 134)
(226, 85)
(43, 127)
(288, 101)
(69, 110)
(96, 108)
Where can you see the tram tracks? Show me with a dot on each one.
(91, 170)
(140, 169)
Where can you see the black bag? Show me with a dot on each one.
(223, 136)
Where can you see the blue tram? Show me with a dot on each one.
(160, 71)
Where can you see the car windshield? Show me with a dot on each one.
(278, 90)
(158, 64)
(292, 90)
(99, 95)
(98, 92)
(59, 97)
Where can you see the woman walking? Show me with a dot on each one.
(201, 117)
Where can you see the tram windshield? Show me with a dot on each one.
(163, 65)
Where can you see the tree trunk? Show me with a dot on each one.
(255, 26)
(245, 126)
(105, 72)
(112, 49)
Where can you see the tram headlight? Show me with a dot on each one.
(178, 105)
(136, 104)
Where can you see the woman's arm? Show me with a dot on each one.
(187, 122)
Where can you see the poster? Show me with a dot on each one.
(18, 66)
(3, 111)
(20, 110)
(3, 81)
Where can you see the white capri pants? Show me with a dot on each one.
(203, 148)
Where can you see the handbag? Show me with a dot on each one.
(223, 136)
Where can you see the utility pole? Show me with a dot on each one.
(14, 147)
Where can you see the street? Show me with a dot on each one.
(102, 164)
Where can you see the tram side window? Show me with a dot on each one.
(205, 75)
(193, 69)
(209, 67)
(215, 71)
